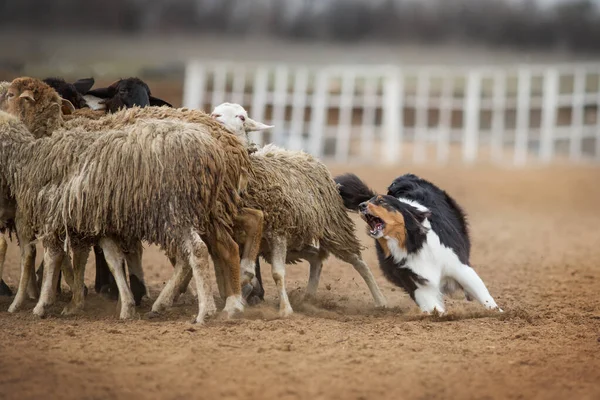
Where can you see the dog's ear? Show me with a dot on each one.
(419, 217)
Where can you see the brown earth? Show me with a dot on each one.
(536, 245)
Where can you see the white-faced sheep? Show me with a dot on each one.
(177, 195)
(304, 215)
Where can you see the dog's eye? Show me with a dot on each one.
(10, 94)
(215, 115)
(242, 118)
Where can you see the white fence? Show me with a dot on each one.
(421, 114)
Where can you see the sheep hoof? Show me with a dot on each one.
(40, 310)
(247, 290)
(4, 289)
(286, 312)
(254, 300)
(14, 307)
(71, 309)
(233, 306)
(153, 314)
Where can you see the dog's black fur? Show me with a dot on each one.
(446, 217)
(72, 91)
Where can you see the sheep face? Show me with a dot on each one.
(36, 104)
(127, 93)
(72, 91)
(236, 119)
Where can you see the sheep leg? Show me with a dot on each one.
(116, 259)
(251, 222)
(67, 272)
(27, 274)
(35, 285)
(220, 277)
(258, 292)
(361, 267)
(279, 253)
(181, 272)
(4, 289)
(314, 277)
(53, 258)
(136, 273)
(198, 260)
(80, 256)
(226, 252)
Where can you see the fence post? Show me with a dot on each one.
(279, 103)
(194, 85)
(259, 100)
(445, 121)
(392, 108)
(551, 77)
(498, 113)
(522, 128)
(368, 116)
(298, 105)
(472, 106)
(239, 85)
(577, 114)
(319, 112)
(342, 147)
(219, 85)
(421, 115)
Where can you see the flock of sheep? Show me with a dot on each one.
(112, 167)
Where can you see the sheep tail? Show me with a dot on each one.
(353, 190)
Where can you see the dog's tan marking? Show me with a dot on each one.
(394, 223)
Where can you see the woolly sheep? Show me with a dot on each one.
(301, 206)
(38, 104)
(239, 168)
(180, 168)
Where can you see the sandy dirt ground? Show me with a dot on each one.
(536, 246)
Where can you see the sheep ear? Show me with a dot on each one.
(251, 125)
(107, 92)
(84, 85)
(103, 93)
(27, 94)
(66, 107)
(155, 101)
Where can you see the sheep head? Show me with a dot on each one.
(72, 91)
(127, 93)
(36, 104)
(235, 118)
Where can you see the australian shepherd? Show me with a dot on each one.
(421, 237)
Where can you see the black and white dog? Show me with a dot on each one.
(421, 238)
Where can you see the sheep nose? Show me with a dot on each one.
(362, 206)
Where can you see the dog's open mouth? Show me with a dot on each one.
(376, 224)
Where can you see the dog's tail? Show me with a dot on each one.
(353, 190)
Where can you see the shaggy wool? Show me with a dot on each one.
(145, 181)
(300, 201)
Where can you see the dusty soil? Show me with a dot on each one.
(536, 245)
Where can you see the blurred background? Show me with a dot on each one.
(364, 81)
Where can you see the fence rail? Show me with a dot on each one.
(388, 114)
